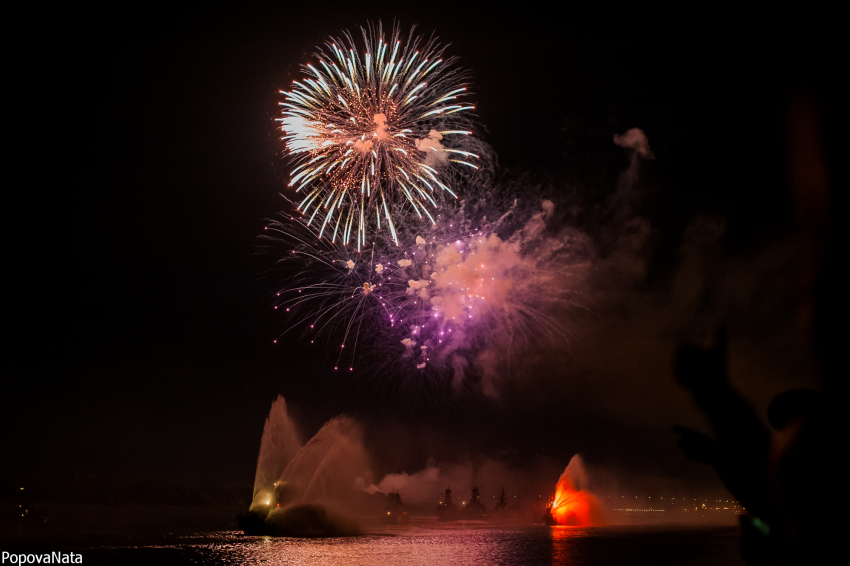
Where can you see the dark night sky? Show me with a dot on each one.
(138, 326)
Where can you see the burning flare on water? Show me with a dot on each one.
(572, 506)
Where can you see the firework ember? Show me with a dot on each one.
(371, 131)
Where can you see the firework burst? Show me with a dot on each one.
(372, 131)
(440, 299)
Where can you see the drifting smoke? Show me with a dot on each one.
(480, 294)
(454, 301)
(526, 488)
(635, 139)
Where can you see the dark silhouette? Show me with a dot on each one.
(502, 504)
(446, 509)
(741, 445)
(787, 479)
(475, 509)
(395, 511)
(740, 450)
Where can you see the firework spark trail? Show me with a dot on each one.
(440, 299)
(371, 132)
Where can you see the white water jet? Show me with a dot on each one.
(329, 472)
(577, 472)
(279, 445)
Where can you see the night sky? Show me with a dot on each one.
(138, 320)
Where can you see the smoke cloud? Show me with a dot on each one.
(434, 154)
(635, 139)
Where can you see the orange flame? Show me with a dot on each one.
(575, 507)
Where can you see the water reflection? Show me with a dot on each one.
(435, 544)
(396, 545)
(563, 549)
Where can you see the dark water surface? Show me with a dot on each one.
(425, 543)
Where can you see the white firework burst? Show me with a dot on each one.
(371, 131)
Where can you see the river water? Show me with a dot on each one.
(429, 544)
